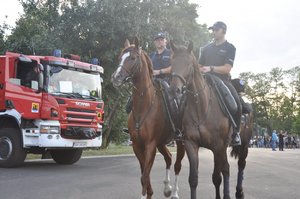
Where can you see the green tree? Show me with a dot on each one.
(3, 28)
(275, 96)
(257, 90)
(296, 125)
(2, 43)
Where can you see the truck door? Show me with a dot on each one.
(22, 87)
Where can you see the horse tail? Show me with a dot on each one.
(235, 152)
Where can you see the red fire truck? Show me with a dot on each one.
(48, 104)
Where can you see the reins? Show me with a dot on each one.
(138, 120)
(189, 88)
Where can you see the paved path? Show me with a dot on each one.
(269, 175)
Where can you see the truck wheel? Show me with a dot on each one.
(66, 156)
(12, 153)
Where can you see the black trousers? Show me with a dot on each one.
(280, 146)
(237, 116)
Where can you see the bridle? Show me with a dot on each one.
(188, 88)
(136, 66)
(186, 82)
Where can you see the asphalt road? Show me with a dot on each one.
(268, 175)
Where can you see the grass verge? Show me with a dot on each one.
(113, 149)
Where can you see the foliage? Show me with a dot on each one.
(275, 96)
(98, 28)
(296, 125)
(3, 28)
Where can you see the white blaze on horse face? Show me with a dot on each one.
(123, 58)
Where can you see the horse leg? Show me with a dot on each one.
(149, 154)
(192, 153)
(241, 166)
(139, 153)
(168, 159)
(177, 167)
(216, 176)
(225, 172)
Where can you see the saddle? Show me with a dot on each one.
(225, 98)
(173, 109)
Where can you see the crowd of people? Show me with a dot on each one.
(281, 140)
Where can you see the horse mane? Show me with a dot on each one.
(149, 63)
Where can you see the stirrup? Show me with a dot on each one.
(236, 139)
(178, 135)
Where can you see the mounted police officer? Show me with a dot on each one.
(161, 58)
(161, 61)
(217, 59)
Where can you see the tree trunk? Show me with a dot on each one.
(109, 123)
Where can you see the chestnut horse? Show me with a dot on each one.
(203, 122)
(148, 124)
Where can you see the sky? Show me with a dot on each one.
(264, 32)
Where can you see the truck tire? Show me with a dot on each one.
(12, 153)
(66, 156)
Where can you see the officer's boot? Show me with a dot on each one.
(236, 138)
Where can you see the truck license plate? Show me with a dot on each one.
(79, 144)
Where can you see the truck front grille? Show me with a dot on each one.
(81, 110)
(80, 116)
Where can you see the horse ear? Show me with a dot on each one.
(127, 43)
(136, 42)
(173, 46)
(190, 47)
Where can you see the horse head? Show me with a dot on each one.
(183, 62)
(129, 63)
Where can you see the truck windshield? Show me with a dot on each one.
(74, 83)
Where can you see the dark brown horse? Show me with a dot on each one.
(203, 122)
(148, 124)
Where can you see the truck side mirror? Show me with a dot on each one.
(41, 81)
(41, 77)
(41, 67)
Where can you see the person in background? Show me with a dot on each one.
(281, 143)
(274, 139)
(32, 75)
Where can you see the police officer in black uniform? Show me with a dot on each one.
(217, 58)
(161, 59)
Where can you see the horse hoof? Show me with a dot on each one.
(226, 197)
(239, 195)
(168, 191)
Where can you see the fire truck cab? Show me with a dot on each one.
(48, 104)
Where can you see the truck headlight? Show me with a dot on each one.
(49, 129)
(99, 129)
